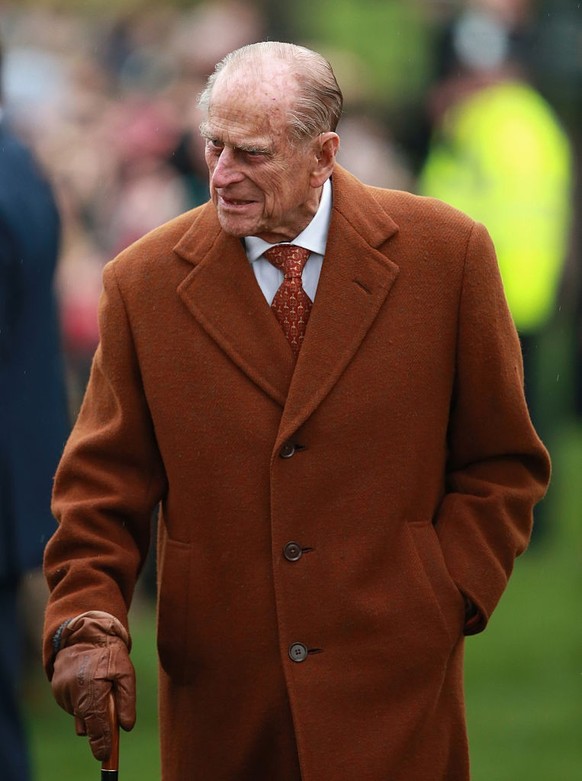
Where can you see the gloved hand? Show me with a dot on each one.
(93, 661)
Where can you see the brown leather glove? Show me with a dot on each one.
(93, 661)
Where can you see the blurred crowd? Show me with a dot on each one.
(108, 104)
(108, 101)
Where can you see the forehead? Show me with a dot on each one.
(251, 103)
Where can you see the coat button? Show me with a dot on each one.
(287, 450)
(293, 551)
(298, 652)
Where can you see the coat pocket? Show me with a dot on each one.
(448, 597)
(173, 634)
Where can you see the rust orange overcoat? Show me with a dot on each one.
(398, 455)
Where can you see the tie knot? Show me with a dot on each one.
(289, 258)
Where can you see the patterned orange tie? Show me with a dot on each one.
(291, 304)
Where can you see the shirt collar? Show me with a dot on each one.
(313, 237)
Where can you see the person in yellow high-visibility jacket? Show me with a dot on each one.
(501, 156)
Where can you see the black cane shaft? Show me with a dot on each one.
(109, 768)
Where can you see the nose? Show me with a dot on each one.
(225, 171)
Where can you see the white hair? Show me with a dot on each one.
(318, 104)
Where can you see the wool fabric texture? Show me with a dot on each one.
(396, 451)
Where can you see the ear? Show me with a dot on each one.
(327, 145)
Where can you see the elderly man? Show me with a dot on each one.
(320, 384)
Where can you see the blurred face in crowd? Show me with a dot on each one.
(261, 182)
(508, 11)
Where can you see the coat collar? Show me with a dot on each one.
(222, 294)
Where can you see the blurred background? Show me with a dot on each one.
(477, 102)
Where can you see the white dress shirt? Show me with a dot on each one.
(313, 238)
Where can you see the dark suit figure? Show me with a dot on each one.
(33, 414)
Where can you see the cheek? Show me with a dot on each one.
(272, 187)
(210, 161)
(287, 194)
(281, 187)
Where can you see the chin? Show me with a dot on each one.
(237, 228)
(229, 225)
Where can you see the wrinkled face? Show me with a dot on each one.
(260, 183)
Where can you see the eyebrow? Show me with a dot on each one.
(259, 146)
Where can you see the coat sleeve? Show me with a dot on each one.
(108, 483)
(497, 466)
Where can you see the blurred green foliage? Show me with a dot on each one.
(388, 44)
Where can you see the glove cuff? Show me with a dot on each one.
(94, 626)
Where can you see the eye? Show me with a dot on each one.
(214, 144)
(256, 152)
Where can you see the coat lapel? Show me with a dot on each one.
(222, 294)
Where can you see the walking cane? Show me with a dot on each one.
(109, 766)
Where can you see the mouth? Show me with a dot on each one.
(233, 203)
